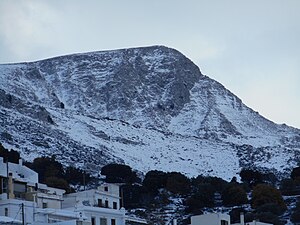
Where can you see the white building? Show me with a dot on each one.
(220, 219)
(254, 222)
(211, 219)
(23, 198)
(101, 206)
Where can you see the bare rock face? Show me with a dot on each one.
(148, 107)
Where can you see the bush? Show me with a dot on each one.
(295, 173)
(270, 207)
(265, 194)
(76, 176)
(46, 167)
(119, 173)
(234, 195)
(251, 177)
(204, 197)
(154, 180)
(12, 155)
(58, 183)
(268, 217)
(216, 183)
(295, 217)
(178, 183)
(289, 187)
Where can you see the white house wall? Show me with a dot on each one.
(108, 214)
(209, 219)
(14, 208)
(27, 175)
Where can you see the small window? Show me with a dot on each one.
(6, 212)
(105, 188)
(93, 220)
(224, 222)
(113, 222)
(106, 204)
(114, 205)
(45, 205)
(103, 221)
(99, 202)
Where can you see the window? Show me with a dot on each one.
(45, 205)
(4, 186)
(103, 221)
(19, 189)
(113, 222)
(224, 222)
(93, 220)
(105, 188)
(115, 205)
(99, 202)
(6, 212)
(106, 204)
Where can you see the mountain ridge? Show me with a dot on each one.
(158, 94)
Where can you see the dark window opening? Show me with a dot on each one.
(93, 221)
(100, 203)
(224, 222)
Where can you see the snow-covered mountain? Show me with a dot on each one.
(150, 108)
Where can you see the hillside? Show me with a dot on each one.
(150, 108)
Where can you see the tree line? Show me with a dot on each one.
(262, 191)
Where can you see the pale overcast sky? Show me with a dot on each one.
(251, 47)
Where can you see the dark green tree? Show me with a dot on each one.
(251, 177)
(295, 217)
(234, 195)
(12, 155)
(203, 197)
(155, 180)
(47, 167)
(119, 173)
(178, 183)
(264, 194)
(58, 183)
(76, 176)
(295, 173)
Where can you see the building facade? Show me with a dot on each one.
(23, 198)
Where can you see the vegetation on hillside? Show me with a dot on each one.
(257, 195)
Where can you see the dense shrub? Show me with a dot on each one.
(58, 183)
(203, 197)
(178, 183)
(76, 176)
(251, 177)
(234, 195)
(295, 173)
(46, 167)
(154, 180)
(12, 155)
(295, 217)
(119, 173)
(264, 194)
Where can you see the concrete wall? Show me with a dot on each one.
(14, 209)
(209, 219)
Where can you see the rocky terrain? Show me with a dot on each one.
(150, 108)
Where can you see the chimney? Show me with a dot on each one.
(242, 219)
(10, 186)
(20, 162)
(174, 221)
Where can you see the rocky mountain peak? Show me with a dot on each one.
(124, 104)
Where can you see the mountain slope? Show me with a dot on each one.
(148, 107)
